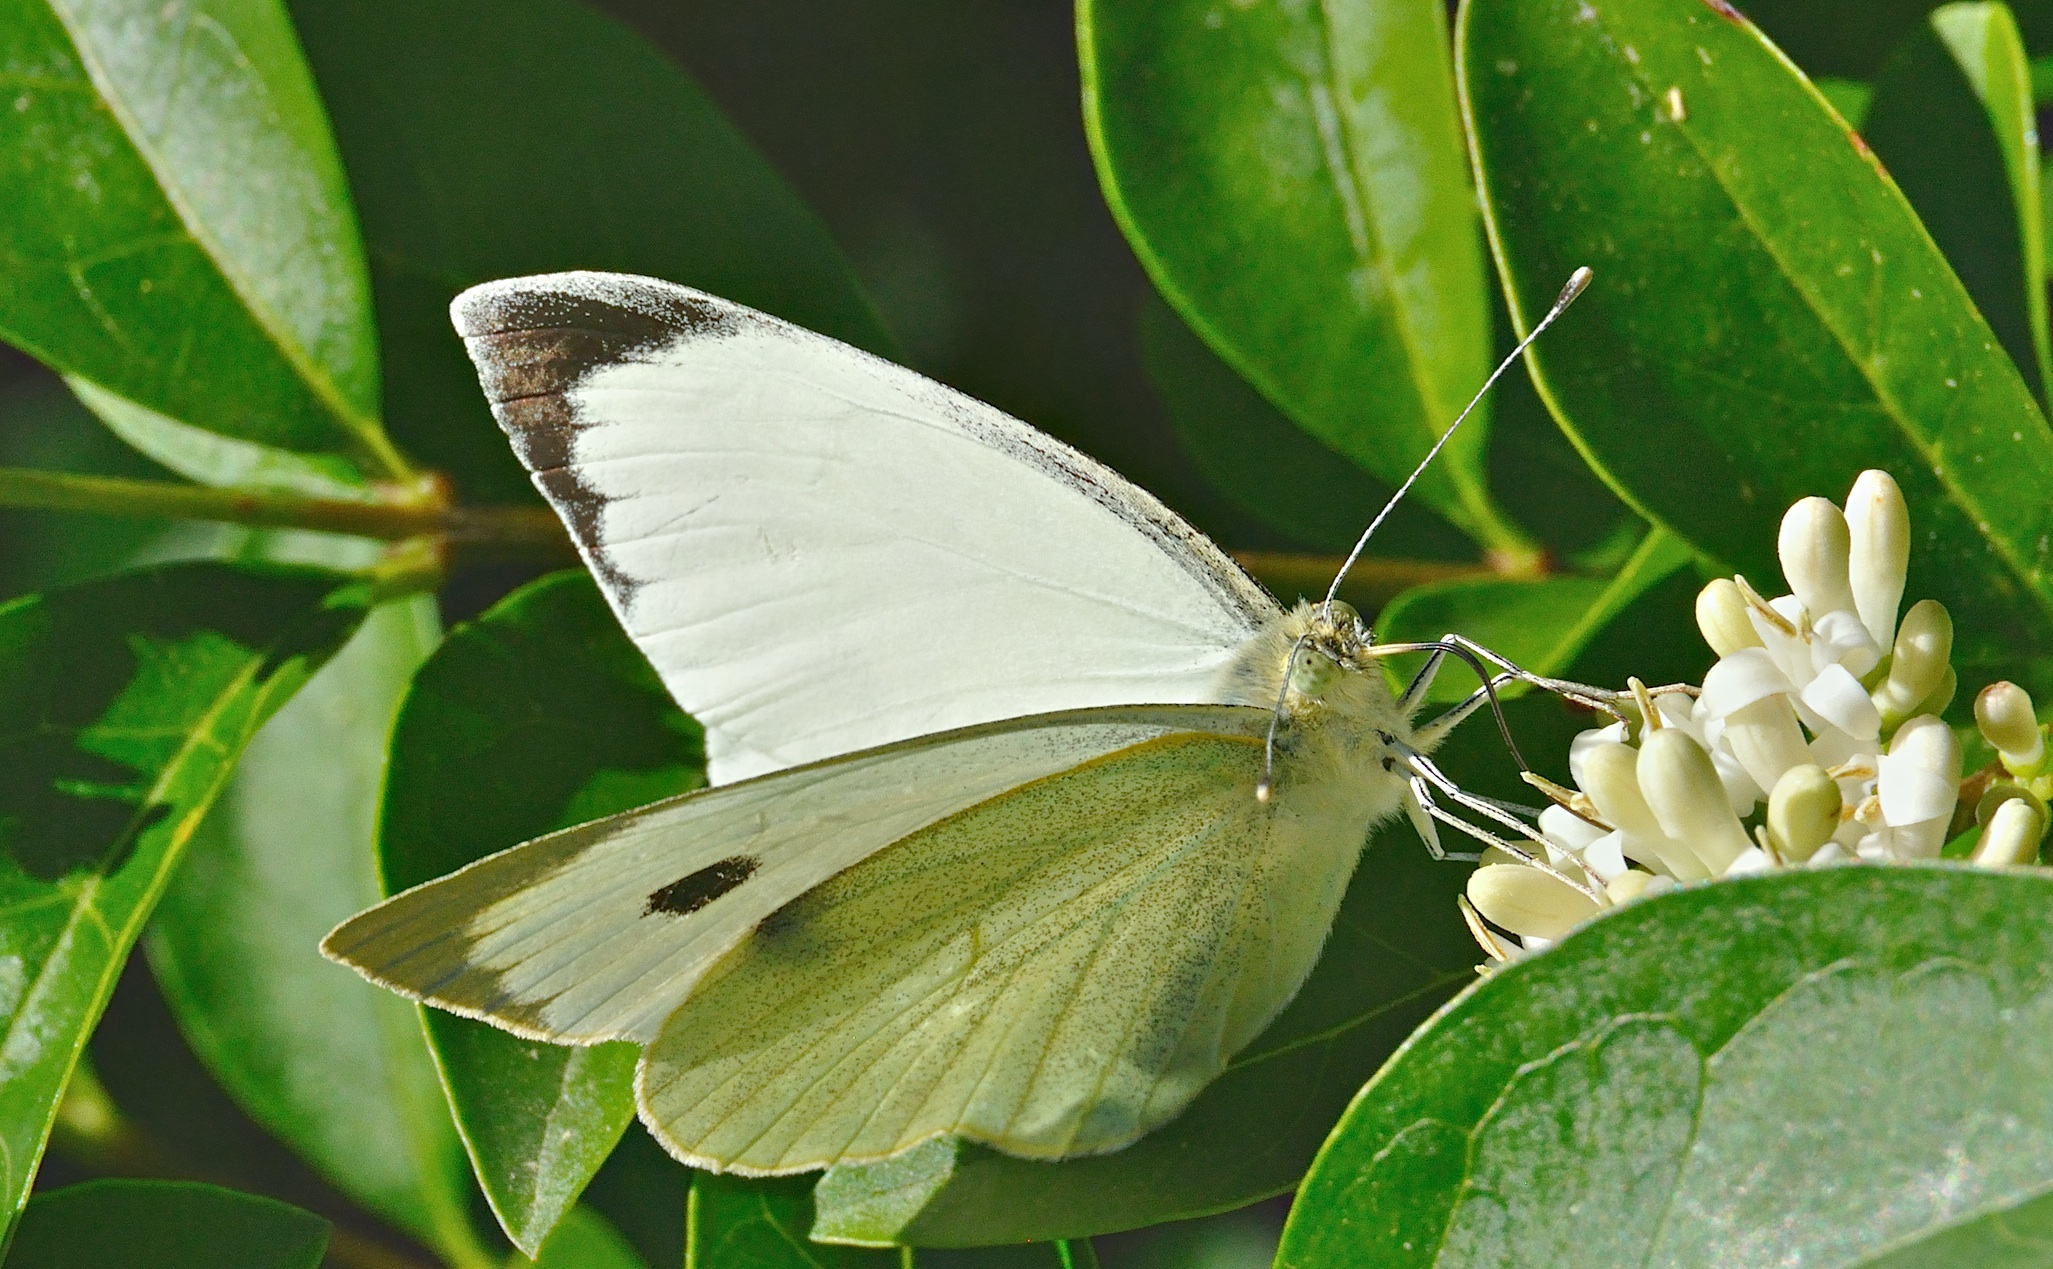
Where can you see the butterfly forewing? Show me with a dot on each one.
(822, 552)
(1053, 972)
(600, 931)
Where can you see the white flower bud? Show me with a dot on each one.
(1923, 646)
(1627, 886)
(1803, 812)
(2012, 835)
(1721, 616)
(1814, 546)
(1528, 902)
(1918, 786)
(1942, 695)
(1879, 524)
(2004, 713)
(1681, 787)
(1610, 775)
(1838, 697)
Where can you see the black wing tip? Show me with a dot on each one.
(606, 302)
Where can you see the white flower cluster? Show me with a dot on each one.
(1815, 739)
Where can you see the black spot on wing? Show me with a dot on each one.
(695, 890)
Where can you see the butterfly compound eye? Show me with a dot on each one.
(1313, 674)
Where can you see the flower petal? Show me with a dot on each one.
(1838, 698)
(1741, 678)
(1839, 638)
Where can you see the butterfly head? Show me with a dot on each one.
(1312, 661)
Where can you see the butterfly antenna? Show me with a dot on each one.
(1266, 786)
(1576, 282)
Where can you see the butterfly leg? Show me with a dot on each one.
(1431, 734)
(1427, 779)
(1422, 682)
(1602, 699)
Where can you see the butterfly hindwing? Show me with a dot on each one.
(1052, 972)
(600, 931)
(822, 552)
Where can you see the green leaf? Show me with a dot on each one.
(741, 1223)
(488, 138)
(537, 716)
(1264, 464)
(1291, 177)
(123, 706)
(167, 1225)
(1540, 625)
(644, 1193)
(213, 459)
(1802, 329)
(171, 173)
(1811, 1067)
(43, 426)
(765, 1223)
(330, 1064)
(2019, 1238)
(1953, 121)
(583, 1240)
(1850, 97)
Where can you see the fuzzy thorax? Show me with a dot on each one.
(1338, 726)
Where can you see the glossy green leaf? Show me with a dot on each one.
(1291, 177)
(213, 459)
(328, 1063)
(1850, 97)
(643, 1192)
(1076, 1253)
(43, 426)
(768, 1223)
(171, 173)
(1768, 317)
(489, 138)
(123, 706)
(583, 1240)
(166, 1225)
(537, 716)
(2017, 1238)
(1824, 1067)
(1953, 122)
(739, 1223)
(1540, 625)
(1266, 465)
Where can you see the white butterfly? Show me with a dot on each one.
(1030, 808)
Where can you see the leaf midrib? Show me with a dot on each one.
(362, 428)
(118, 941)
(1900, 417)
